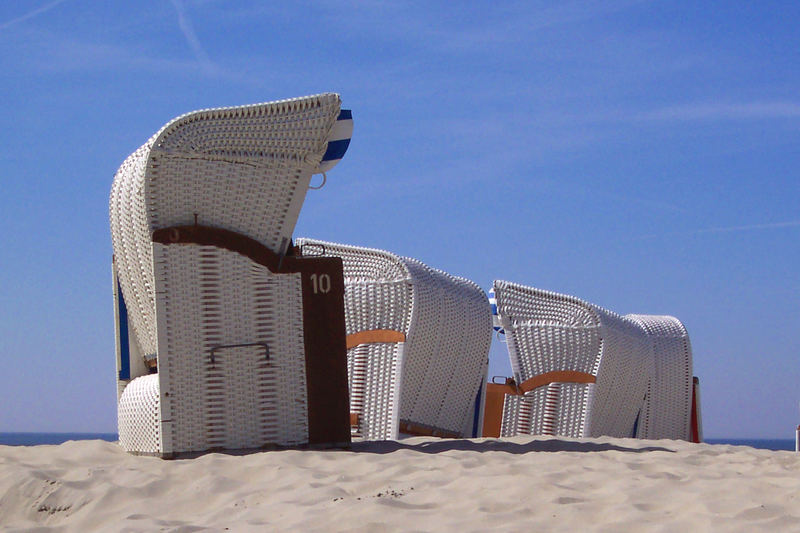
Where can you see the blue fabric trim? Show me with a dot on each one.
(124, 346)
(336, 150)
(345, 114)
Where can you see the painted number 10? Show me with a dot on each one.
(321, 283)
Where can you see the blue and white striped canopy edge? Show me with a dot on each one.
(338, 141)
(495, 317)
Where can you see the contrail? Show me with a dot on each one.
(191, 37)
(46, 7)
(726, 229)
(739, 111)
(789, 224)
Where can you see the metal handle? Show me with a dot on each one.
(221, 346)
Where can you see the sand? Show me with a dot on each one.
(421, 484)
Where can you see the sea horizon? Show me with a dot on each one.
(33, 438)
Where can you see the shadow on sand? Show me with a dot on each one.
(446, 445)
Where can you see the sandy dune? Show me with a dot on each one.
(530, 484)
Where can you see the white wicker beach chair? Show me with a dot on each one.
(418, 342)
(583, 371)
(221, 340)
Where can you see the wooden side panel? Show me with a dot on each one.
(493, 412)
(557, 376)
(326, 353)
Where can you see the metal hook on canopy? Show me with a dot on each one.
(321, 185)
(312, 246)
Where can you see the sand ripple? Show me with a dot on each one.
(532, 484)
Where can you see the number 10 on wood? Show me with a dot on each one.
(321, 283)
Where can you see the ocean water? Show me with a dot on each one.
(764, 444)
(33, 439)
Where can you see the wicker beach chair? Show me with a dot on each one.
(579, 370)
(583, 371)
(222, 343)
(418, 342)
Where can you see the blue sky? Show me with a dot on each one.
(641, 155)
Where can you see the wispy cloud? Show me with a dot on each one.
(725, 111)
(726, 229)
(435, 26)
(55, 53)
(46, 51)
(31, 14)
(523, 20)
(189, 34)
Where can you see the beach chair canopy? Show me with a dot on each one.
(667, 412)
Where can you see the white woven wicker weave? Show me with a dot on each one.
(226, 332)
(667, 411)
(632, 373)
(428, 383)
(552, 333)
